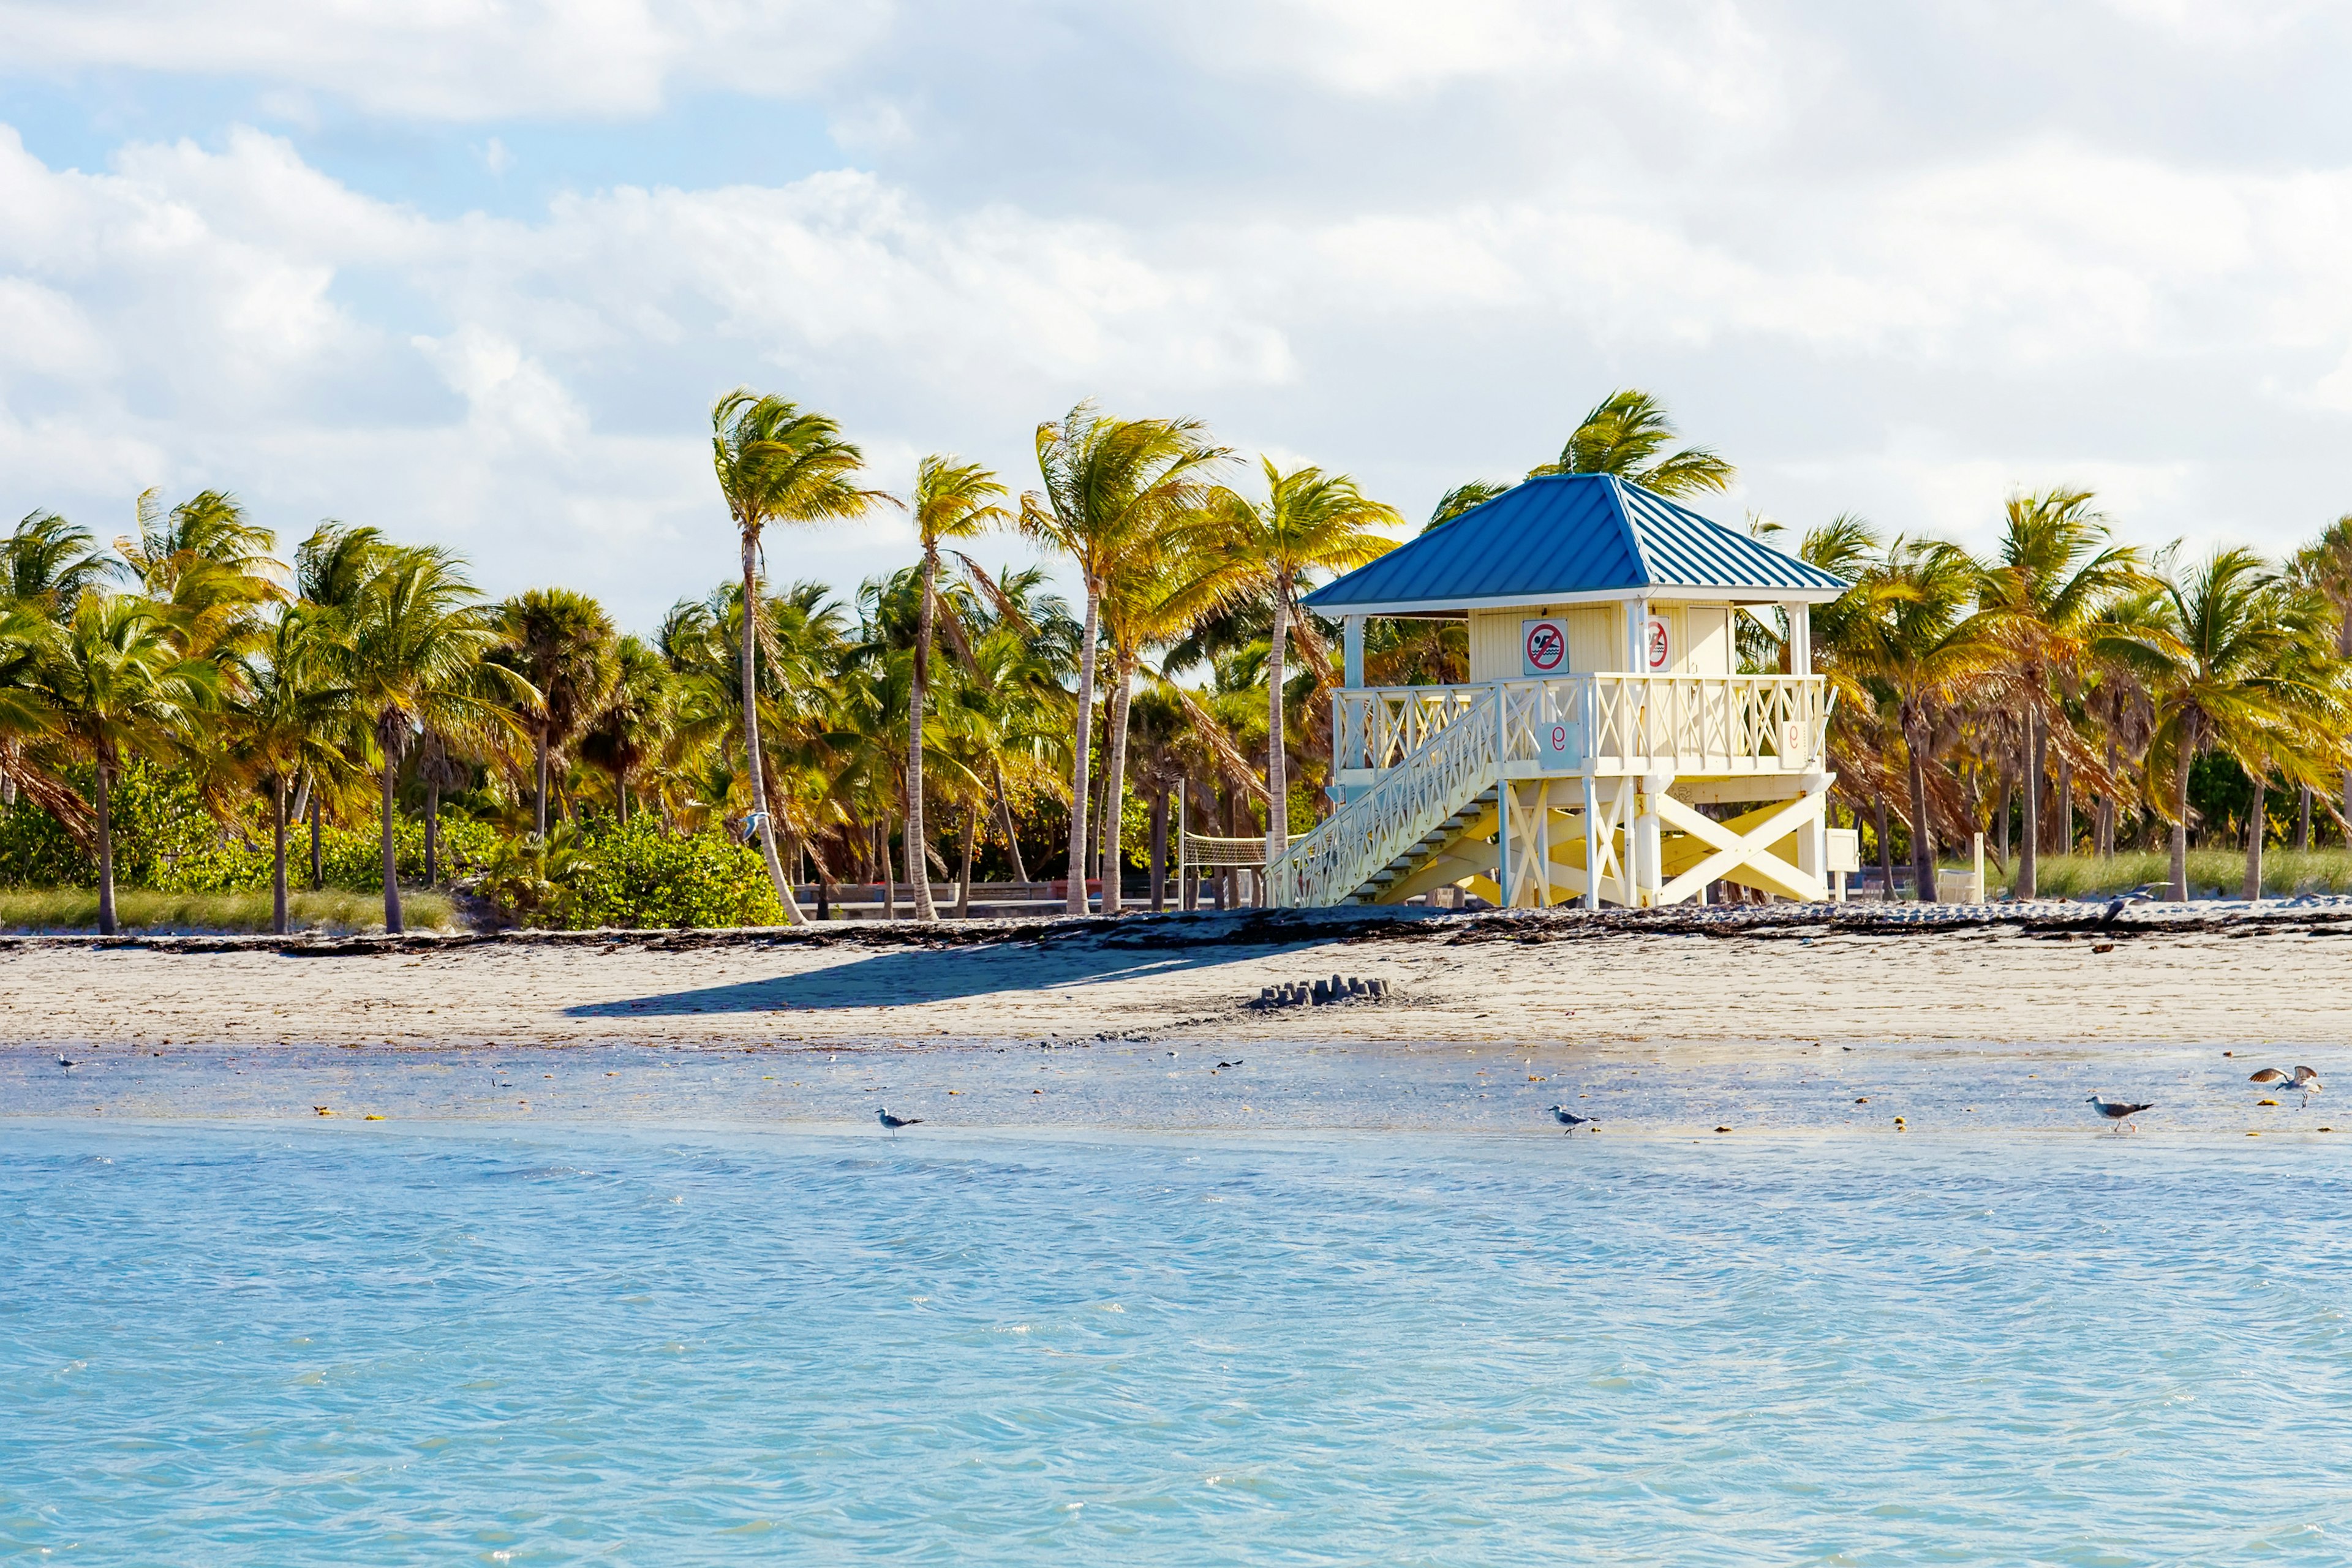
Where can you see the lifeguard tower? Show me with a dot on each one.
(1605, 707)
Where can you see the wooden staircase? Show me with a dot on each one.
(1412, 812)
(1435, 842)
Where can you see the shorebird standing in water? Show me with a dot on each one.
(2119, 1112)
(66, 1061)
(1569, 1119)
(892, 1123)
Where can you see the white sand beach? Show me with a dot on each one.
(1995, 984)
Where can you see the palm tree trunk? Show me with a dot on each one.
(963, 878)
(1114, 791)
(1004, 812)
(2302, 823)
(2109, 807)
(757, 777)
(318, 855)
(277, 857)
(105, 854)
(1081, 772)
(1923, 837)
(1885, 853)
(1277, 773)
(2063, 818)
(539, 807)
(1160, 853)
(2028, 849)
(432, 834)
(2180, 812)
(392, 921)
(915, 700)
(2001, 822)
(2257, 829)
(883, 872)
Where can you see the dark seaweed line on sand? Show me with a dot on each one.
(1290, 927)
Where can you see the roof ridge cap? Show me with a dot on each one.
(1637, 546)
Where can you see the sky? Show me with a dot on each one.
(474, 270)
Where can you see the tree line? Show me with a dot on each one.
(947, 716)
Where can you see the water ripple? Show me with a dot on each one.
(564, 1345)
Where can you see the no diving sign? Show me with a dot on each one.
(1543, 647)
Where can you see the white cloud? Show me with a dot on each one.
(1402, 240)
(193, 302)
(1700, 54)
(457, 59)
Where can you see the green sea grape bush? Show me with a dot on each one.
(602, 874)
(166, 841)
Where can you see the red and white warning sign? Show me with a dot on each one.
(1657, 645)
(1543, 647)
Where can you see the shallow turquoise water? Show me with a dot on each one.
(349, 1345)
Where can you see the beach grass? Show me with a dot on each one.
(335, 911)
(2284, 872)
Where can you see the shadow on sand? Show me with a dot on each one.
(907, 976)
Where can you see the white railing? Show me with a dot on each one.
(1380, 726)
(1626, 723)
(1459, 759)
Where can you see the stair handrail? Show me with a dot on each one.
(1378, 826)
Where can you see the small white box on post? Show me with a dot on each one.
(1842, 855)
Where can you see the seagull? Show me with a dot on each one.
(892, 1123)
(2119, 1111)
(66, 1061)
(2309, 1081)
(1567, 1118)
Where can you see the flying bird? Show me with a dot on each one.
(892, 1123)
(1567, 1118)
(2119, 1111)
(2268, 1075)
(2309, 1081)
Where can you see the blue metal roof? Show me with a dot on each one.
(1570, 534)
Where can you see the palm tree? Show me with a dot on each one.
(207, 569)
(634, 719)
(2253, 678)
(121, 686)
(418, 635)
(1460, 498)
(1145, 604)
(776, 462)
(2324, 567)
(48, 563)
(2057, 571)
(1624, 435)
(1310, 522)
(561, 643)
(296, 706)
(802, 629)
(1108, 484)
(1915, 632)
(332, 568)
(952, 501)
